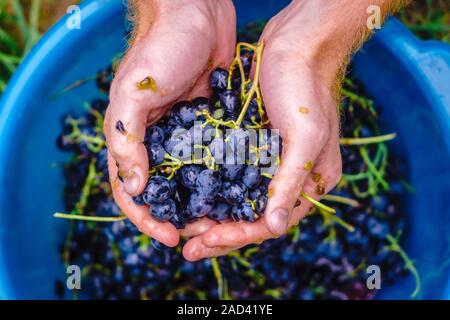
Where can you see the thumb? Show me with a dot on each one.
(125, 135)
(284, 190)
(145, 86)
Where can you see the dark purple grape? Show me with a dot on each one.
(163, 211)
(156, 154)
(219, 79)
(201, 104)
(231, 171)
(199, 205)
(253, 112)
(157, 191)
(208, 183)
(220, 212)
(189, 175)
(234, 192)
(251, 177)
(184, 113)
(230, 102)
(259, 196)
(180, 219)
(139, 200)
(154, 134)
(244, 212)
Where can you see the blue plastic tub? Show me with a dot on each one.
(410, 79)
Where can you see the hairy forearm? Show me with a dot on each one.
(326, 32)
(143, 13)
(341, 24)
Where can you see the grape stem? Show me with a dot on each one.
(88, 218)
(221, 286)
(340, 199)
(409, 265)
(255, 85)
(317, 203)
(368, 140)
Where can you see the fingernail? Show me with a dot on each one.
(278, 221)
(131, 183)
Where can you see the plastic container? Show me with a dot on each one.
(410, 79)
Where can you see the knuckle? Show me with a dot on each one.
(241, 237)
(309, 189)
(316, 132)
(335, 173)
(118, 151)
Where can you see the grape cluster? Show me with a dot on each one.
(211, 157)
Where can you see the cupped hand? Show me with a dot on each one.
(297, 83)
(175, 45)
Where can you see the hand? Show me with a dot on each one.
(175, 45)
(303, 60)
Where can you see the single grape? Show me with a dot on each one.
(208, 183)
(234, 192)
(231, 171)
(157, 191)
(243, 211)
(230, 102)
(219, 79)
(139, 200)
(156, 154)
(184, 113)
(163, 211)
(199, 205)
(220, 212)
(154, 134)
(251, 177)
(189, 175)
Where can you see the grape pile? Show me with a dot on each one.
(325, 257)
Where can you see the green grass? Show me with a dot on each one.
(19, 31)
(428, 19)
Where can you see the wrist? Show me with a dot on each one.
(145, 13)
(324, 33)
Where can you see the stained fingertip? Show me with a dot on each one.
(278, 221)
(135, 181)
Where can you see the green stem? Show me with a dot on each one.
(317, 203)
(394, 246)
(340, 199)
(255, 85)
(72, 216)
(220, 283)
(368, 140)
(378, 176)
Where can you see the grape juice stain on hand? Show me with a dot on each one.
(303, 110)
(147, 83)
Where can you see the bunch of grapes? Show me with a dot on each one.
(212, 157)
